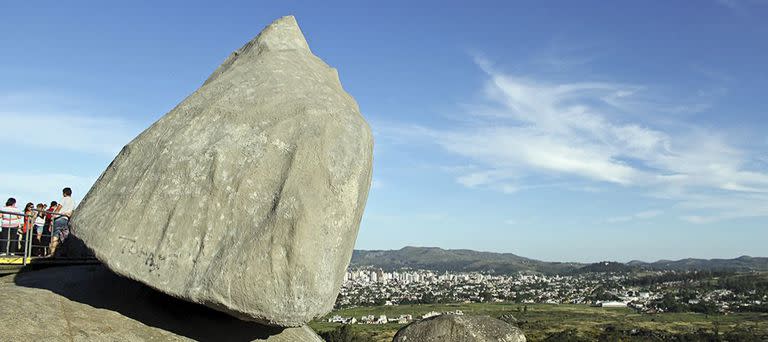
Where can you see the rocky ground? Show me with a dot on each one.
(90, 303)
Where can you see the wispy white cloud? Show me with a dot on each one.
(410, 218)
(643, 215)
(44, 120)
(708, 207)
(377, 183)
(598, 132)
(34, 123)
(66, 132)
(42, 187)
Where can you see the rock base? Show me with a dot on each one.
(90, 303)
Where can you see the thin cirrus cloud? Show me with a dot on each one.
(38, 123)
(66, 132)
(39, 186)
(593, 131)
(45, 120)
(643, 215)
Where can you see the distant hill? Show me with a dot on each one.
(457, 260)
(743, 263)
(465, 260)
(607, 267)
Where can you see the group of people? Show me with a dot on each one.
(49, 226)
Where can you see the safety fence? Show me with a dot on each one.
(22, 240)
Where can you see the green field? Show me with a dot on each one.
(540, 321)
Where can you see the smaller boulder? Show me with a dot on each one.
(454, 328)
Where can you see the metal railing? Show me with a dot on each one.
(23, 243)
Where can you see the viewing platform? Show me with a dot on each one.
(13, 263)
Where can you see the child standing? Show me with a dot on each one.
(29, 222)
(48, 228)
(39, 223)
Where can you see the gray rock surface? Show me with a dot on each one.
(454, 328)
(90, 303)
(247, 197)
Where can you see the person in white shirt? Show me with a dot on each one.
(61, 223)
(10, 226)
(39, 224)
(67, 205)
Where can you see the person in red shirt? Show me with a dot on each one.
(29, 222)
(48, 228)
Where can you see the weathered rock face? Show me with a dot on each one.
(90, 303)
(246, 197)
(453, 328)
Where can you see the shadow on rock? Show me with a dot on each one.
(97, 286)
(73, 247)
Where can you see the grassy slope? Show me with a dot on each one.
(543, 319)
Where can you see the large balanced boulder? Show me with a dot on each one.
(459, 328)
(90, 303)
(247, 197)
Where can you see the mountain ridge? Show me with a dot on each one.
(439, 259)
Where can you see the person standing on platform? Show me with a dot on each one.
(29, 223)
(39, 224)
(10, 226)
(61, 222)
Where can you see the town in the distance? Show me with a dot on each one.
(652, 292)
(629, 301)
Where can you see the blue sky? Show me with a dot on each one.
(561, 131)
